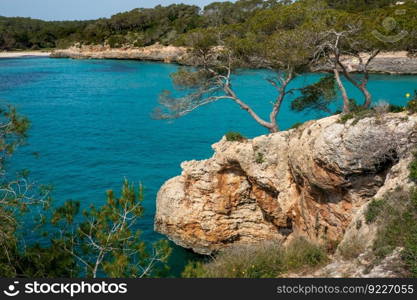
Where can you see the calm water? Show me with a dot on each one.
(91, 124)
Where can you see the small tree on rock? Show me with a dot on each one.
(286, 53)
(335, 48)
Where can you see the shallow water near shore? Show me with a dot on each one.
(92, 126)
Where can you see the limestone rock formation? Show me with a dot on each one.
(168, 54)
(399, 62)
(387, 62)
(312, 181)
(363, 266)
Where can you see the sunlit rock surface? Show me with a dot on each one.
(311, 181)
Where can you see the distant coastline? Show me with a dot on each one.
(156, 52)
(398, 62)
(19, 54)
(386, 63)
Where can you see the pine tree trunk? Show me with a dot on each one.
(346, 102)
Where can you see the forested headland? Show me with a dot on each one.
(246, 20)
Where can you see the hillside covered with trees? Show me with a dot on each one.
(171, 24)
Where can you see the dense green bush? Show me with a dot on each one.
(396, 108)
(374, 209)
(242, 19)
(234, 137)
(412, 104)
(265, 260)
(345, 117)
(260, 158)
(413, 168)
(116, 41)
(397, 221)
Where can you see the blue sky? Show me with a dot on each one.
(80, 9)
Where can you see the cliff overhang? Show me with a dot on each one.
(312, 181)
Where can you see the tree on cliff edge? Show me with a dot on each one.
(286, 53)
(336, 47)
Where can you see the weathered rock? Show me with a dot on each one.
(363, 266)
(168, 54)
(386, 62)
(311, 181)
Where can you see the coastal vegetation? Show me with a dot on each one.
(243, 18)
(232, 136)
(285, 53)
(265, 260)
(288, 49)
(392, 217)
(287, 38)
(396, 215)
(70, 242)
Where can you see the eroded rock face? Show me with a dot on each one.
(399, 62)
(386, 62)
(168, 54)
(310, 181)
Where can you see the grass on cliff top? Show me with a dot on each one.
(396, 215)
(265, 260)
(358, 112)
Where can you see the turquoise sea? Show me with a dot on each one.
(92, 126)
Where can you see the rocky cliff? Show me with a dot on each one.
(386, 62)
(314, 181)
(168, 54)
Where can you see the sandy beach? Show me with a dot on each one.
(23, 54)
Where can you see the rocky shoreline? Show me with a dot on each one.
(166, 54)
(315, 181)
(19, 54)
(385, 63)
(309, 181)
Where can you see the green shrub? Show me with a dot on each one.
(374, 210)
(412, 104)
(409, 255)
(260, 158)
(398, 227)
(413, 169)
(265, 260)
(357, 112)
(396, 108)
(346, 117)
(301, 253)
(115, 41)
(194, 269)
(234, 137)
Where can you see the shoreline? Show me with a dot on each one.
(156, 52)
(392, 63)
(21, 54)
